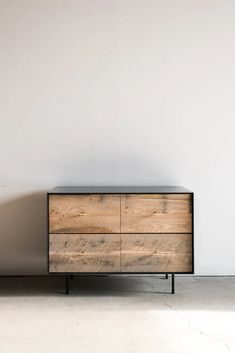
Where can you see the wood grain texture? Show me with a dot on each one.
(84, 213)
(156, 253)
(84, 252)
(160, 213)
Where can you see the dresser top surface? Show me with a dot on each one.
(119, 190)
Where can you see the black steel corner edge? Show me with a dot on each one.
(193, 257)
(48, 247)
(119, 273)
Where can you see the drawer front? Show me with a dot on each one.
(159, 213)
(84, 253)
(156, 253)
(84, 214)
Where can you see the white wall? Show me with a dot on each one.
(114, 92)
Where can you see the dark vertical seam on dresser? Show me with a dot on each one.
(48, 237)
(120, 240)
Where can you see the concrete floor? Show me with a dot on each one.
(117, 315)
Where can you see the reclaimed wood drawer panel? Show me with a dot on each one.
(156, 213)
(84, 253)
(84, 213)
(156, 253)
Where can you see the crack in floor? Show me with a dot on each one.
(197, 329)
(166, 303)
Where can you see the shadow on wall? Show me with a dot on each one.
(23, 235)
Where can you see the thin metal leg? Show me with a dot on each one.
(172, 283)
(166, 276)
(72, 277)
(67, 284)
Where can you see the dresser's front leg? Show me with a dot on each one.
(67, 284)
(172, 283)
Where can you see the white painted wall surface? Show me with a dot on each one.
(116, 92)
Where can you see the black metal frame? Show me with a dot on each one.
(70, 274)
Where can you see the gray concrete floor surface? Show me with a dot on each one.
(117, 315)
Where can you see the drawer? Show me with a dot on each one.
(84, 253)
(157, 213)
(84, 213)
(156, 253)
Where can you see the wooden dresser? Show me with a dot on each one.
(120, 230)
